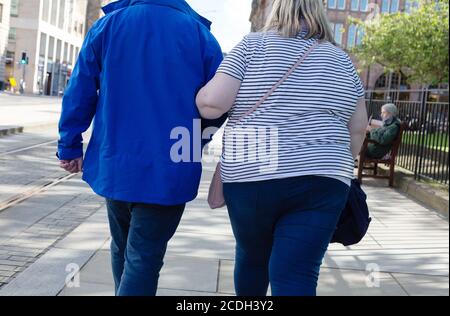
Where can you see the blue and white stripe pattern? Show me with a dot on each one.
(309, 111)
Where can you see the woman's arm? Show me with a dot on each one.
(357, 127)
(218, 96)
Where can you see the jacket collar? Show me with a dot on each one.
(180, 5)
(392, 120)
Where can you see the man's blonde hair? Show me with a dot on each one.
(287, 16)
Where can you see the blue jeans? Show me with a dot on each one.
(140, 233)
(282, 230)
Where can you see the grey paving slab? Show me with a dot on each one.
(188, 273)
(421, 285)
(107, 245)
(15, 220)
(98, 269)
(47, 276)
(334, 282)
(89, 289)
(205, 221)
(202, 245)
(415, 264)
(19, 217)
(179, 272)
(91, 235)
(168, 292)
(226, 277)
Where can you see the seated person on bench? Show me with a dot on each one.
(384, 135)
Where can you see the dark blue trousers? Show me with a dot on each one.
(282, 230)
(140, 233)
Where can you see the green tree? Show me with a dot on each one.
(415, 43)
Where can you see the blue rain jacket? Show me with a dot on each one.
(136, 78)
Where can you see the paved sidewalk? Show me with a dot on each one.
(407, 243)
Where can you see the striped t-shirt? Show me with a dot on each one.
(301, 129)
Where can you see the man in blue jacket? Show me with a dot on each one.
(136, 77)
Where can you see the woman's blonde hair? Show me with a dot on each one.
(287, 17)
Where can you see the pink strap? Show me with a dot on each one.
(287, 75)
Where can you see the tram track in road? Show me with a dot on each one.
(33, 190)
(15, 151)
(37, 186)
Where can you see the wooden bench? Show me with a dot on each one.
(366, 163)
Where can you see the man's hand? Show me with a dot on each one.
(72, 166)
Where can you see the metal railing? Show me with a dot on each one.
(425, 145)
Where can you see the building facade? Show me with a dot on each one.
(4, 31)
(45, 38)
(346, 34)
(94, 11)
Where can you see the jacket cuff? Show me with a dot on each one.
(69, 153)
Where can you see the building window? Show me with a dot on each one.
(351, 40)
(411, 5)
(51, 48)
(62, 9)
(45, 10)
(338, 33)
(69, 22)
(359, 5)
(364, 7)
(341, 4)
(71, 51)
(390, 6)
(394, 6)
(385, 6)
(66, 53)
(58, 51)
(332, 4)
(14, 8)
(360, 36)
(43, 45)
(12, 34)
(54, 15)
(10, 57)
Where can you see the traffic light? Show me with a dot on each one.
(24, 60)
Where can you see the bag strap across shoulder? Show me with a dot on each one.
(279, 83)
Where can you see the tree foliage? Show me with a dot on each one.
(415, 43)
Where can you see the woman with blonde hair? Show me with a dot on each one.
(293, 82)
